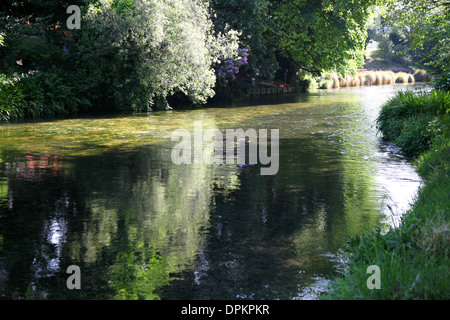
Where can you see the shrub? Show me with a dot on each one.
(11, 100)
(40, 94)
(59, 94)
(442, 81)
(411, 119)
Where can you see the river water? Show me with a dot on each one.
(102, 193)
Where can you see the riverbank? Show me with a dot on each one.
(413, 259)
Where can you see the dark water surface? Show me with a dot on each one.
(102, 193)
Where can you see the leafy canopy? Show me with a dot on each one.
(433, 20)
(323, 35)
(145, 51)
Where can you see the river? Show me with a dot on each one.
(102, 193)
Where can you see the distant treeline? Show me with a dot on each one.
(145, 55)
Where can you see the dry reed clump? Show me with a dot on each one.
(384, 78)
(329, 81)
(372, 79)
(401, 77)
(367, 78)
(355, 81)
(335, 79)
(362, 79)
(377, 79)
(420, 75)
(348, 81)
(326, 84)
(388, 77)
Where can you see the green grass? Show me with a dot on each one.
(413, 119)
(40, 94)
(414, 257)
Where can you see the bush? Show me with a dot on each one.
(442, 82)
(413, 120)
(11, 100)
(59, 94)
(40, 94)
(437, 158)
(415, 135)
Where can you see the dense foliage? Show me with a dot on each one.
(419, 36)
(149, 51)
(323, 35)
(127, 54)
(253, 20)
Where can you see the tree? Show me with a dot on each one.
(144, 51)
(434, 18)
(252, 19)
(30, 31)
(323, 35)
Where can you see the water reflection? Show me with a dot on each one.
(103, 194)
(124, 216)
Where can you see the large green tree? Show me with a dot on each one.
(142, 52)
(323, 35)
(252, 19)
(432, 31)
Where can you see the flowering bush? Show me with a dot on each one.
(227, 69)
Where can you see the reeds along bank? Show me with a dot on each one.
(369, 78)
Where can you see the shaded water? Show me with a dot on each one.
(102, 193)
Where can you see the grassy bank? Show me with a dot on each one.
(414, 257)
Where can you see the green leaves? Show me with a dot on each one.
(413, 120)
(150, 50)
(324, 35)
(430, 35)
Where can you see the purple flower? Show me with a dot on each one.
(228, 69)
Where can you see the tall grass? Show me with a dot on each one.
(415, 114)
(366, 78)
(39, 94)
